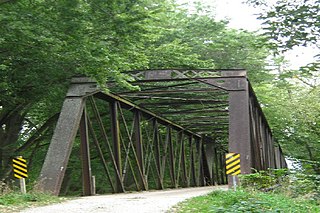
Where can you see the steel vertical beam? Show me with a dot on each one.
(85, 156)
(115, 130)
(183, 162)
(192, 164)
(200, 161)
(172, 160)
(206, 168)
(239, 126)
(139, 148)
(100, 153)
(157, 153)
(209, 147)
(224, 176)
(216, 166)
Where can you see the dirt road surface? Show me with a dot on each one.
(138, 202)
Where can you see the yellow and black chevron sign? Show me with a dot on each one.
(233, 163)
(20, 167)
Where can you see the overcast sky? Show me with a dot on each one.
(241, 16)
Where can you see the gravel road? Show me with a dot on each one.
(141, 202)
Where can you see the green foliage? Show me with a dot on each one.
(22, 199)
(302, 185)
(293, 192)
(292, 184)
(257, 180)
(288, 24)
(44, 43)
(243, 201)
(12, 200)
(294, 116)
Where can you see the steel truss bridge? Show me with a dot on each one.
(172, 132)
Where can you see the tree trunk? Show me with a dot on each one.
(11, 125)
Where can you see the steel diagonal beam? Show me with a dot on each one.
(115, 131)
(164, 157)
(157, 153)
(179, 146)
(105, 137)
(137, 151)
(143, 92)
(98, 147)
(201, 166)
(189, 102)
(183, 162)
(172, 159)
(85, 156)
(148, 114)
(193, 169)
(189, 111)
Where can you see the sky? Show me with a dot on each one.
(242, 16)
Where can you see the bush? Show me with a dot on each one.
(293, 184)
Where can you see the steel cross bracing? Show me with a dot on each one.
(172, 132)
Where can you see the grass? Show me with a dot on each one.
(243, 201)
(13, 201)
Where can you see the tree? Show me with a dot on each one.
(45, 43)
(291, 100)
(291, 105)
(292, 23)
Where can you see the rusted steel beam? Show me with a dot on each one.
(147, 87)
(200, 161)
(183, 102)
(192, 176)
(195, 111)
(139, 149)
(100, 153)
(207, 118)
(115, 131)
(148, 114)
(55, 163)
(201, 124)
(206, 167)
(176, 72)
(217, 166)
(157, 153)
(239, 127)
(223, 167)
(144, 92)
(177, 99)
(214, 95)
(165, 108)
(254, 137)
(172, 160)
(106, 140)
(209, 154)
(183, 162)
(127, 148)
(85, 156)
(182, 75)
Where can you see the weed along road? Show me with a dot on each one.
(142, 202)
